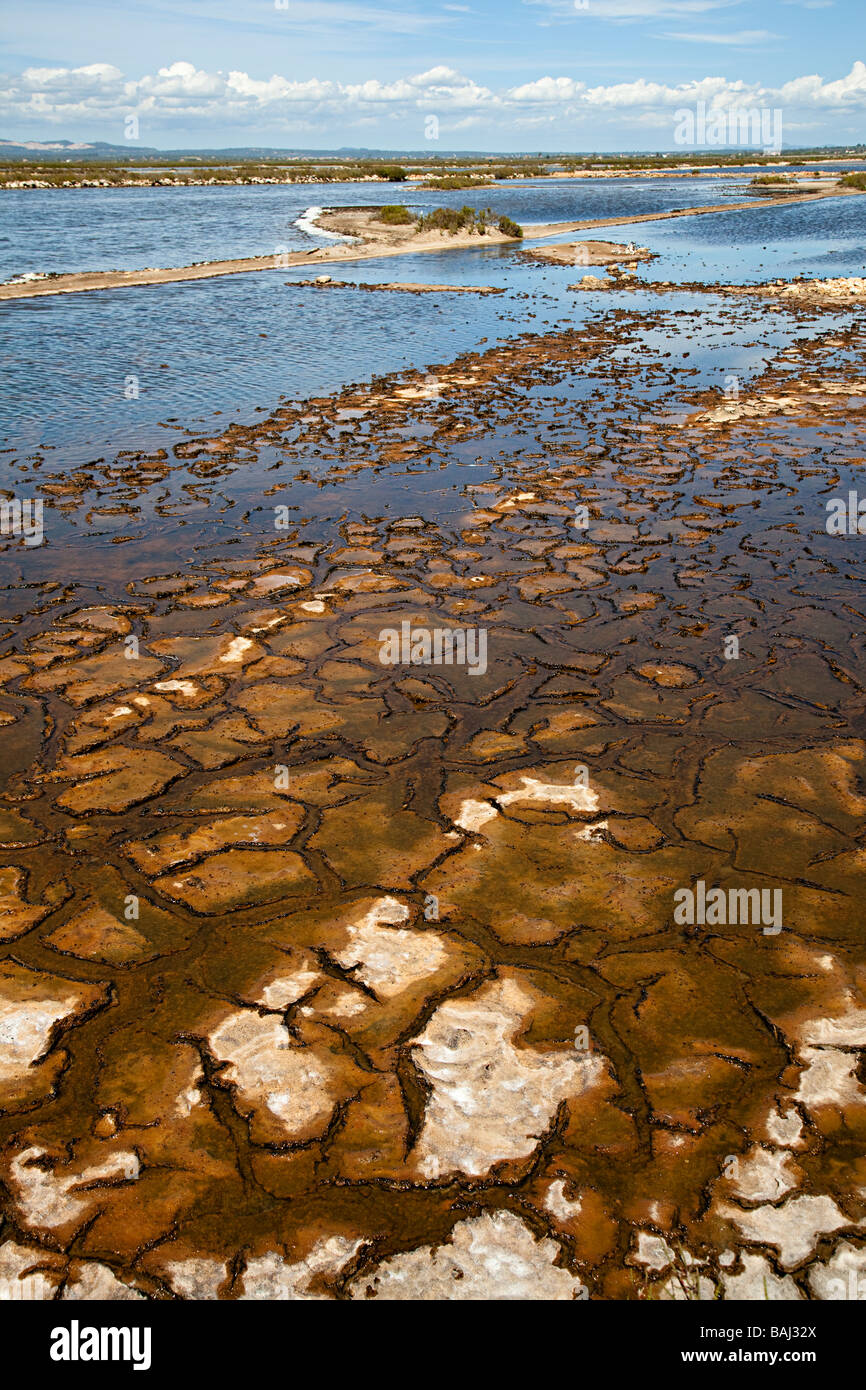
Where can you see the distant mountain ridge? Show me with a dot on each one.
(93, 149)
(131, 152)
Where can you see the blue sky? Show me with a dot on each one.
(512, 75)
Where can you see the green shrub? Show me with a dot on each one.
(518, 171)
(455, 220)
(448, 220)
(509, 228)
(451, 182)
(394, 173)
(396, 215)
(854, 181)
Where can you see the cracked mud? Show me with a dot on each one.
(329, 978)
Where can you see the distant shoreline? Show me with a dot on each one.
(85, 281)
(180, 177)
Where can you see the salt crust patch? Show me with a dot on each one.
(286, 990)
(559, 1205)
(390, 960)
(829, 1075)
(793, 1228)
(474, 814)
(784, 1127)
(20, 1275)
(291, 1082)
(828, 1078)
(235, 649)
(197, 1278)
(489, 1100)
(843, 1277)
(24, 1033)
(846, 1030)
(795, 1225)
(495, 1256)
(26, 1024)
(764, 1175)
(652, 1251)
(758, 1282)
(49, 1197)
(273, 1277)
(182, 687)
(97, 1281)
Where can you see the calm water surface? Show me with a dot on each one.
(74, 229)
(202, 353)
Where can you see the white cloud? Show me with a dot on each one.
(101, 96)
(182, 80)
(398, 18)
(634, 9)
(548, 89)
(743, 38)
(847, 92)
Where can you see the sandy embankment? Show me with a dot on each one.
(555, 228)
(688, 171)
(375, 239)
(845, 290)
(324, 282)
(843, 293)
(378, 241)
(592, 253)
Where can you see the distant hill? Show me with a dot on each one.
(131, 152)
(78, 151)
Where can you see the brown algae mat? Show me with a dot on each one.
(325, 974)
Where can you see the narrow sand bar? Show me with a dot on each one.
(554, 228)
(370, 250)
(393, 287)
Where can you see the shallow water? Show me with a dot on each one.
(818, 240)
(215, 350)
(321, 973)
(65, 230)
(429, 987)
